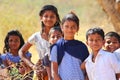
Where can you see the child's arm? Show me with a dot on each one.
(54, 67)
(84, 70)
(118, 76)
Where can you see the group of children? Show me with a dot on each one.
(60, 54)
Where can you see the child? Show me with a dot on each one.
(12, 43)
(49, 18)
(55, 33)
(73, 51)
(112, 41)
(100, 65)
(112, 44)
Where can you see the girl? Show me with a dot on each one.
(13, 42)
(49, 18)
(68, 54)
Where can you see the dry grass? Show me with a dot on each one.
(23, 15)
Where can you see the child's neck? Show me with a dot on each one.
(47, 29)
(94, 55)
(45, 33)
(67, 38)
(14, 52)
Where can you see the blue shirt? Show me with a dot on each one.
(69, 68)
(15, 59)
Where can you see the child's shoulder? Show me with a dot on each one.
(107, 54)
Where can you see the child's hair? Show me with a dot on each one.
(53, 9)
(11, 33)
(94, 31)
(113, 34)
(56, 28)
(72, 17)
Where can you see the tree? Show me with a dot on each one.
(112, 9)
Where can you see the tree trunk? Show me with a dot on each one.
(112, 9)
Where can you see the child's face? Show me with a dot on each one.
(69, 29)
(49, 18)
(95, 42)
(111, 44)
(14, 42)
(54, 36)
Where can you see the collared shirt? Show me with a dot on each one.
(42, 46)
(117, 53)
(105, 66)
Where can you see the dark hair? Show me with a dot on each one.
(53, 9)
(10, 33)
(70, 16)
(113, 34)
(56, 28)
(95, 30)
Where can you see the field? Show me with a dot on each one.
(23, 15)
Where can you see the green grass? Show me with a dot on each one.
(23, 15)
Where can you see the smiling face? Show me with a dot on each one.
(111, 44)
(54, 36)
(95, 42)
(14, 42)
(49, 18)
(69, 29)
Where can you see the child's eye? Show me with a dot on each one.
(45, 16)
(108, 42)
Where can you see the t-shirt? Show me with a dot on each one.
(69, 68)
(15, 59)
(42, 45)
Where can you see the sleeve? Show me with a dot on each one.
(31, 39)
(115, 63)
(53, 54)
(3, 57)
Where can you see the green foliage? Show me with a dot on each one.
(14, 73)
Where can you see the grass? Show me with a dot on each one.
(23, 15)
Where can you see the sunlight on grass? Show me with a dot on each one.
(23, 15)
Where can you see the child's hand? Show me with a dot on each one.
(8, 62)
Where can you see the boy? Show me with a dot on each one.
(100, 65)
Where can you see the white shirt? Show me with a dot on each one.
(104, 67)
(117, 53)
(42, 46)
